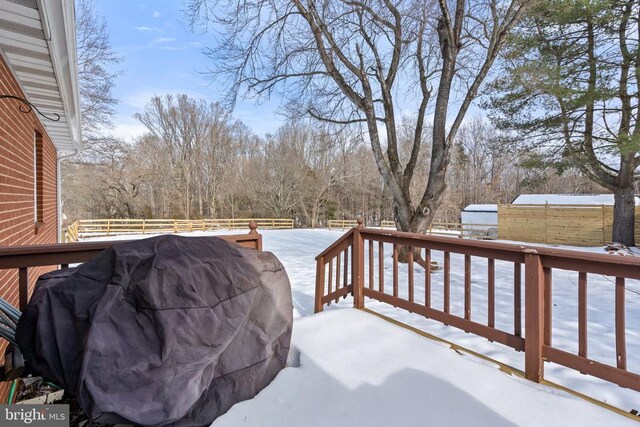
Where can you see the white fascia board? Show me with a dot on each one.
(59, 26)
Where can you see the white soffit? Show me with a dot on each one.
(37, 39)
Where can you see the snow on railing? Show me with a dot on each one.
(355, 264)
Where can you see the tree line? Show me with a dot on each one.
(197, 161)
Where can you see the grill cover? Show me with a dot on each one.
(162, 331)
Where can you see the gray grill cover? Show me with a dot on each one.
(162, 331)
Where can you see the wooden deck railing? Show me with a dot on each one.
(352, 266)
(112, 227)
(24, 257)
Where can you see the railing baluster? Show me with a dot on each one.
(548, 305)
(320, 268)
(345, 279)
(427, 277)
(517, 299)
(467, 287)
(447, 282)
(621, 348)
(491, 297)
(410, 271)
(381, 266)
(330, 279)
(357, 273)
(337, 273)
(582, 314)
(23, 287)
(370, 264)
(395, 270)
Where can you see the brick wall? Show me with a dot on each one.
(18, 134)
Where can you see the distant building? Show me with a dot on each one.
(484, 215)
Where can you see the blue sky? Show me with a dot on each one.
(162, 55)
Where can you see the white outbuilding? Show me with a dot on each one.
(480, 217)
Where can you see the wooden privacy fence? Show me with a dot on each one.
(352, 266)
(111, 227)
(436, 228)
(577, 225)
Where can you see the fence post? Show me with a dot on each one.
(175, 225)
(534, 316)
(604, 236)
(108, 226)
(357, 266)
(546, 222)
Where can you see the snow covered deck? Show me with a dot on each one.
(298, 248)
(357, 369)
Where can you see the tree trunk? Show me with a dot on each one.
(624, 216)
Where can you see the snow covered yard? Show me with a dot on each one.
(297, 250)
(359, 370)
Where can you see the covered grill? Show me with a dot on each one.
(165, 331)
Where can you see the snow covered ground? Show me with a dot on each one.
(297, 250)
(359, 370)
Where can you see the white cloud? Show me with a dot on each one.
(156, 14)
(164, 40)
(145, 28)
(128, 130)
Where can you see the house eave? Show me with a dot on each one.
(38, 42)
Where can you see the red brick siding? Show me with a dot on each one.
(17, 210)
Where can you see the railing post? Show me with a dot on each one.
(253, 225)
(534, 316)
(108, 226)
(318, 306)
(357, 266)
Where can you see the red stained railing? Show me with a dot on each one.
(24, 257)
(537, 263)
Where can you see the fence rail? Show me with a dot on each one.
(351, 262)
(112, 227)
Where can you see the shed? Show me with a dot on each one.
(485, 215)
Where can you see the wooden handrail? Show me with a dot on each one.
(63, 254)
(337, 246)
(537, 263)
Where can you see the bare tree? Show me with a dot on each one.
(182, 125)
(352, 62)
(96, 69)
